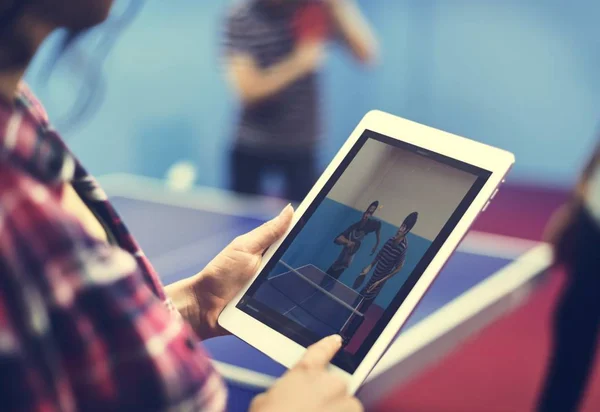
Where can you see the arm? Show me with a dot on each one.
(399, 266)
(97, 320)
(186, 303)
(385, 279)
(378, 239)
(310, 385)
(366, 270)
(354, 29)
(201, 298)
(394, 272)
(342, 239)
(254, 84)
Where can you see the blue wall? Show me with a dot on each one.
(518, 74)
(314, 245)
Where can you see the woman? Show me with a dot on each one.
(576, 235)
(85, 323)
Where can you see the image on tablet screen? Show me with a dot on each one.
(348, 265)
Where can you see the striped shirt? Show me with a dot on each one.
(391, 256)
(288, 120)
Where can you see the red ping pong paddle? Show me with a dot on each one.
(311, 23)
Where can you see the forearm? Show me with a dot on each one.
(185, 300)
(341, 240)
(354, 29)
(391, 274)
(377, 241)
(395, 271)
(388, 277)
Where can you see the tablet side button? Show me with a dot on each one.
(495, 193)
(485, 207)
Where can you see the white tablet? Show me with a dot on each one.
(366, 243)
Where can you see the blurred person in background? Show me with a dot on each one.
(575, 232)
(274, 50)
(85, 323)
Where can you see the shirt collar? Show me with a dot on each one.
(28, 142)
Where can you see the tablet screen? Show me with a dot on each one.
(371, 232)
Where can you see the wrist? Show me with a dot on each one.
(208, 307)
(299, 63)
(193, 308)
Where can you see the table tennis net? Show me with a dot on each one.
(314, 294)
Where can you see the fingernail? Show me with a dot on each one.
(285, 209)
(337, 339)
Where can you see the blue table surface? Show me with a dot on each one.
(180, 241)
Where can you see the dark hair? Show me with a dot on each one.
(19, 52)
(375, 203)
(410, 221)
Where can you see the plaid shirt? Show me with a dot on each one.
(84, 325)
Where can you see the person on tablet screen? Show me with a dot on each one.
(388, 262)
(351, 240)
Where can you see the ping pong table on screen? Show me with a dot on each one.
(182, 231)
(311, 298)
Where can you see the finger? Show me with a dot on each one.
(347, 404)
(320, 354)
(332, 386)
(258, 402)
(262, 237)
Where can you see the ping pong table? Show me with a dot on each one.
(182, 231)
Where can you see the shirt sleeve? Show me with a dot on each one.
(380, 253)
(81, 329)
(402, 257)
(238, 35)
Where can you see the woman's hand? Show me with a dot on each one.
(201, 298)
(308, 386)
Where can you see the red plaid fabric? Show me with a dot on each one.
(84, 325)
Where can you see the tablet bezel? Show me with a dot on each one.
(498, 162)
